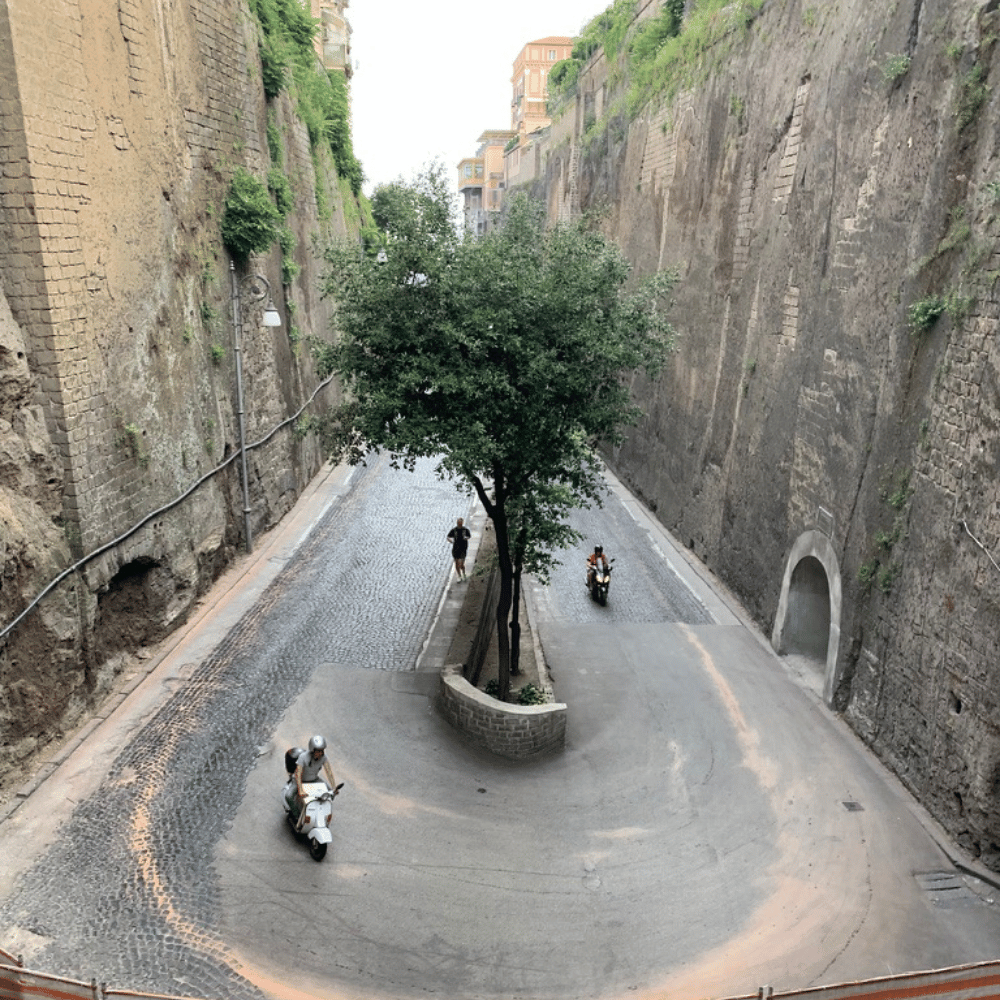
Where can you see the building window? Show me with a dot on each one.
(468, 170)
(552, 55)
(479, 170)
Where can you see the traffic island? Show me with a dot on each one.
(513, 731)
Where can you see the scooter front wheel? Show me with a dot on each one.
(317, 851)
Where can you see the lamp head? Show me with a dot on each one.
(271, 317)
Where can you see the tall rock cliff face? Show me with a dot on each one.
(827, 449)
(120, 127)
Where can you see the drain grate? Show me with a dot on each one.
(853, 807)
(945, 888)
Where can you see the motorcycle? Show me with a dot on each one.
(598, 582)
(312, 823)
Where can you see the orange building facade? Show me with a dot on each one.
(481, 180)
(500, 159)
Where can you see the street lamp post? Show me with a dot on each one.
(257, 290)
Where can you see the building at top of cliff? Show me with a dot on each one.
(333, 40)
(529, 80)
(481, 180)
(529, 102)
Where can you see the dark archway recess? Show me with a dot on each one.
(807, 628)
(132, 610)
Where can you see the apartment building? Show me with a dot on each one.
(481, 179)
(502, 158)
(333, 40)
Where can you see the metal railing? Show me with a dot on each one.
(19, 983)
(956, 983)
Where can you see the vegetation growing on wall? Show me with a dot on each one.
(250, 222)
(880, 568)
(660, 54)
(289, 61)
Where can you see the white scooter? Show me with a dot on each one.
(313, 822)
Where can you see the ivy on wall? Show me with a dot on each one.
(289, 62)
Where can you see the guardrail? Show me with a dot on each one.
(19, 983)
(980, 981)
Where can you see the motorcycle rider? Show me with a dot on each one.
(595, 559)
(311, 765)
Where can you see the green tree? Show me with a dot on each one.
(508, 357)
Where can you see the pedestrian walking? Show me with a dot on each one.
(459, 537)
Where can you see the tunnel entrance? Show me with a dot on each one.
(807, 623)
(807, 629)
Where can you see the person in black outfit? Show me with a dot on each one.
(459, 537)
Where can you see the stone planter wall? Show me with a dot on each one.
(516, 732)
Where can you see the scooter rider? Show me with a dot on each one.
(311, 765)
(597, 558)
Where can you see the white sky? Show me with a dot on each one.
(431, 77)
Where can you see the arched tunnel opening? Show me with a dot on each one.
(807, 628)
(131, 610)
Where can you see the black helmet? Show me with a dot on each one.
(599, 550)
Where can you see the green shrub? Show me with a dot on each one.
(274, 60)
(924, 314)
(895, 67)
(896, 489)
(250, 222)
(287, 55)
(654, 32)
(887, 577)
(867, 572)
(972, 95)
(289, 269)
(208, 314)
(275, 146)
(531, 695)
(563, 76)
(281, 190)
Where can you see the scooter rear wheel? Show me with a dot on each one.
(317, 851)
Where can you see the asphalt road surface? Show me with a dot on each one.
(708, 829)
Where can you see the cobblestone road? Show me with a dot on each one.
(128, 894)
(644, 588)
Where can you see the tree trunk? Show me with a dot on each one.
(515, 625)
(496, 512)
(515, 617)
(503, 605)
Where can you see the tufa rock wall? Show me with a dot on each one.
(120, 127)
(834, 466)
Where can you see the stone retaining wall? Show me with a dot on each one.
(516, 732)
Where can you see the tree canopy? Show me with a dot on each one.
(506, 356)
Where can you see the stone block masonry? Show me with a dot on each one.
(516, 732)
(120, 127)
(809, 202)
